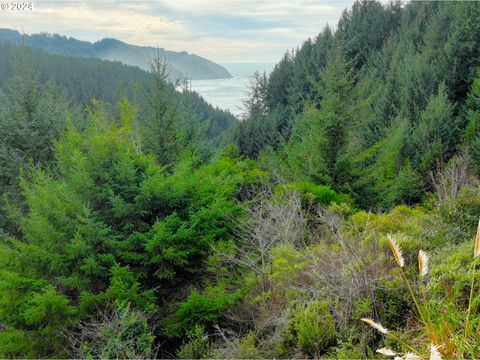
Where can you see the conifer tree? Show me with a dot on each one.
(336, 119)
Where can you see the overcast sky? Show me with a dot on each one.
(221, 30)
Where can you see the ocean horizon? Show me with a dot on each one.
(229, 94)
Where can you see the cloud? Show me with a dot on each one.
(130, 21)
(222, 30)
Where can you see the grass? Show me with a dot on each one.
(455, 341)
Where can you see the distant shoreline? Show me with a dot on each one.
(228, 94)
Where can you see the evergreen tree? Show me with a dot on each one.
(436, 135)
(160, 125)
(106, 226)
(336, 115)
(471, 117)
(33, 115)
(255, 104)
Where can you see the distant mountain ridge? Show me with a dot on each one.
(180, 64)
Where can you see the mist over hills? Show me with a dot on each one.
(179, 64)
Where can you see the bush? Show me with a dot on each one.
(198, 345)
(201, 309)
(459, 215)
(122, 333)
(400, 219)
(314, 194)
(247, 348)
(313, 328)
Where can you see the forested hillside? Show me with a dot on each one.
(179, 64)
(85, 79)
(337, 220)
(372, 108)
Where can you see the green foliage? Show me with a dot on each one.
(202, 206)
(105, 221)
(48, 310)
(123, 217)
(407, 188)
(313, 328)
(319, 137)
(461, 46)
(459, 215)
(202, 309)
(313, 194)
(122, 334)
(287, 263)
(125, 288)
(247, 347)
(303, 153)
(85, 78)
(197, 346)
(34, 314)
(471, 115)
(382, 182)
(436, 135)
(402, 219)
(32, 117)
(161, 126)
(367, 110)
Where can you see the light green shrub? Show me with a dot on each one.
(314, 328)
(197, 347)
(314, 194)
(248, 347)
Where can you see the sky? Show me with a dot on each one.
(221, 30)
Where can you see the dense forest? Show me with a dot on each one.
(336, 220)
(179, 64)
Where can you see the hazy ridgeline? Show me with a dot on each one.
(336, 220)
(179, 64)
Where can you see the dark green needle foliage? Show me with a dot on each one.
(341, 94)
(137, 221)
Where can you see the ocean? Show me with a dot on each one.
(228, 94)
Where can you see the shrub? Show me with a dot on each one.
(197, 346)
(314, 194)
(235, 347)
(202, 309)
(445, 326)
(459, 215)
(313, 328)
(247, 347)
(121, 333)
